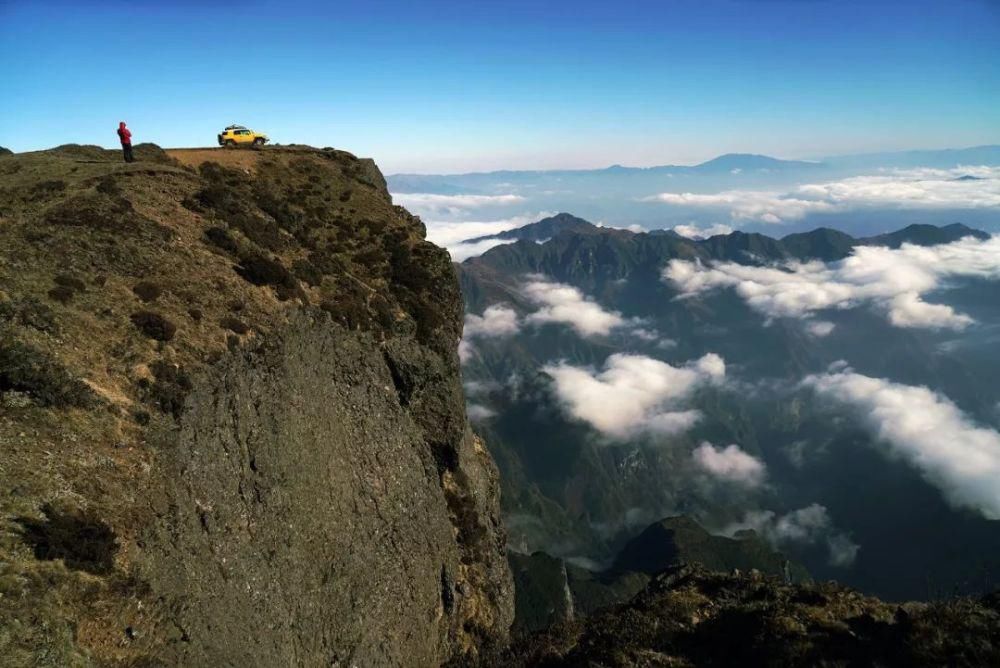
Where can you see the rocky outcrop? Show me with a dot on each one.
(680, 539)
(234, 421)
(550, 590)
(689, 616)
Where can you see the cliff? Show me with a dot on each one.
(232, 419)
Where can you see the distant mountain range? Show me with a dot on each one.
(860, 194)
(819, 244)
(739, 162)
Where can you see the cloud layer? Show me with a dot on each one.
(430, 203)
(895, 189)
(699, 232)
(730, 463)
(496, 320)
(556, 303)
(927, 430)
(452, 234)
(810, 525)
(565, 304)
(891, 279)
(634, 393)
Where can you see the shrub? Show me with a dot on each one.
(30, 312)
(286, 292)
(108, 186)
(307, 271)
(150, 152)
(171, 387)
(94, 210)
(26, 369)
(147, 291)
(82, 541)
(221, 237)
(328, 261)
(85, 152)
(61, 294)
(46, 189)
(263, 232)
(234, 325)
(71, 282)
(154, 325)
(261, 270)
(349, 306)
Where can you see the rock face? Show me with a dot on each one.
(233, 420)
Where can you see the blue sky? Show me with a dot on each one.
(442, 86)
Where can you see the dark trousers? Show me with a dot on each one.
(127, 152)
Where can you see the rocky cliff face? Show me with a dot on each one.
(232, 420)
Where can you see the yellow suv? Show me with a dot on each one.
(237, 135)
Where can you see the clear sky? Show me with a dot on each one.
(443, 86)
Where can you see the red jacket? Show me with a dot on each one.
(124, 134)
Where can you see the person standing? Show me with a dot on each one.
(125, 135)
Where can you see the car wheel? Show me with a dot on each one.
(230, 143)
(258, 141)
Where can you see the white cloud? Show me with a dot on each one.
(557, 303)
(496, 320)
(730, 463)
(635, 228)
(806, 526)
(698, 232)
(896, 189)
(478, 412)
(647, 335)
(565, 304)
(634, 393)
(820, 328)
(430, 203)
(462, 252)
(927, 430)
(843, 550)
(475, 388)
(892, 279)
(465, 351)
(912, 189)
(766, 207)
(452, 235)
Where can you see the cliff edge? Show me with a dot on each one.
(232, 420)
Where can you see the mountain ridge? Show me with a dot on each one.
(822, 243)
(726, 161)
